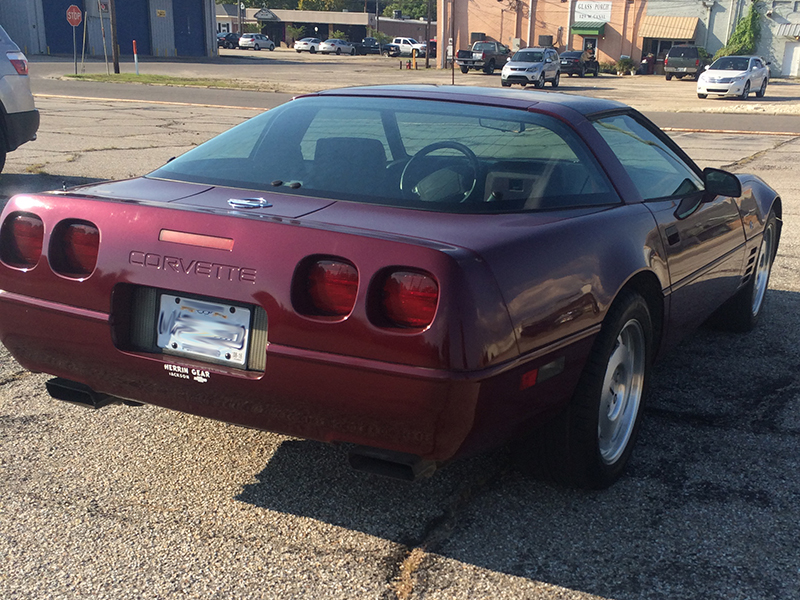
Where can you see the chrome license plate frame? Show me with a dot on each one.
(205, 329)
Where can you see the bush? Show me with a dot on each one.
(745, 36)
(608, 67)
(339, 35)
(625, 65)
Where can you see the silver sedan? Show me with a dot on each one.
(336, 46)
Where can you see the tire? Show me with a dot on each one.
(582, 72)
(668, 76)
(312, 50)
(256, 47)
(588, 444)
(489, 69)
(741, 312)
(745, 91)
(763, 90)
(338, 51)
(540, 82)
(506, 84)
(596, 71)
(271, 48)
(298, 51)
(556, 79)
(353, 52)
(702, 96)
(464, 70)
(570, 73)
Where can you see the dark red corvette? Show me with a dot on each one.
(419, 272)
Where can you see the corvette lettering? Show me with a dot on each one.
(201, 268)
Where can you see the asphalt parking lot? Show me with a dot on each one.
(140, 502)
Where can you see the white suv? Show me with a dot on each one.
(256, 41)
(19, 119)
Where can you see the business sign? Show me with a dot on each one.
(593, 11)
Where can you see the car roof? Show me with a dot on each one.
(519, 99)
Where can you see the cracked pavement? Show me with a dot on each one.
(141, 502)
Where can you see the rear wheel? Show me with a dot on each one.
(589, 443)
(312, 50)
(763, 90)
(464, 69)
(489, 69)
(256, 47)
(668, 76)
(271, 48)
(352, 52)
(745, 91)
(741, 312)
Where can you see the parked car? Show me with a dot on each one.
(683, 60)
(228, 40)
(571, 64)
(734, 76)
(256, 41)
(420, 273)
(484, 56)
(369, 45)
(19, 119)
(336, 46)
(307, 45)
(532, 66)
(408, 45)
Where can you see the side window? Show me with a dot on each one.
(656, 171)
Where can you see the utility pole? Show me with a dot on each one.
(112, 11)
(428, 39)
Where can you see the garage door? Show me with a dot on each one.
(190, 33)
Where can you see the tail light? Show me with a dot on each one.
(21, 240)
(409, 299)
(332, 286)
(19, 61)
(73, 248)
(697, 63)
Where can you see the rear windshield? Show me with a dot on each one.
(682, 52)
(416, 154)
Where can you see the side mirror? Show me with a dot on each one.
(721, 183)
(707, 67)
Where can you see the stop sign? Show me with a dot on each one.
(74, 15)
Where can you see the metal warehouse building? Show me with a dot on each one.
(160, 27)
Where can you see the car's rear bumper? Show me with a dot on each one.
(430, 413)
(20, 127)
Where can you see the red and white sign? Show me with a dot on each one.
(74, 15)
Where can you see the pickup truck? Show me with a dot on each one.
(486, 56)
(407, 45)
(369, 45)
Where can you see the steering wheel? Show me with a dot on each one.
(407, 189)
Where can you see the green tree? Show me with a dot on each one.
(334, 5)
(746, 34)
(416, 9)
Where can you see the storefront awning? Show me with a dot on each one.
(668, 28)
(789, 30)
(588, 27)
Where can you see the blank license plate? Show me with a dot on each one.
(202, 329)
(682, 69)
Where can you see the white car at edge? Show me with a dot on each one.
(734, 76)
